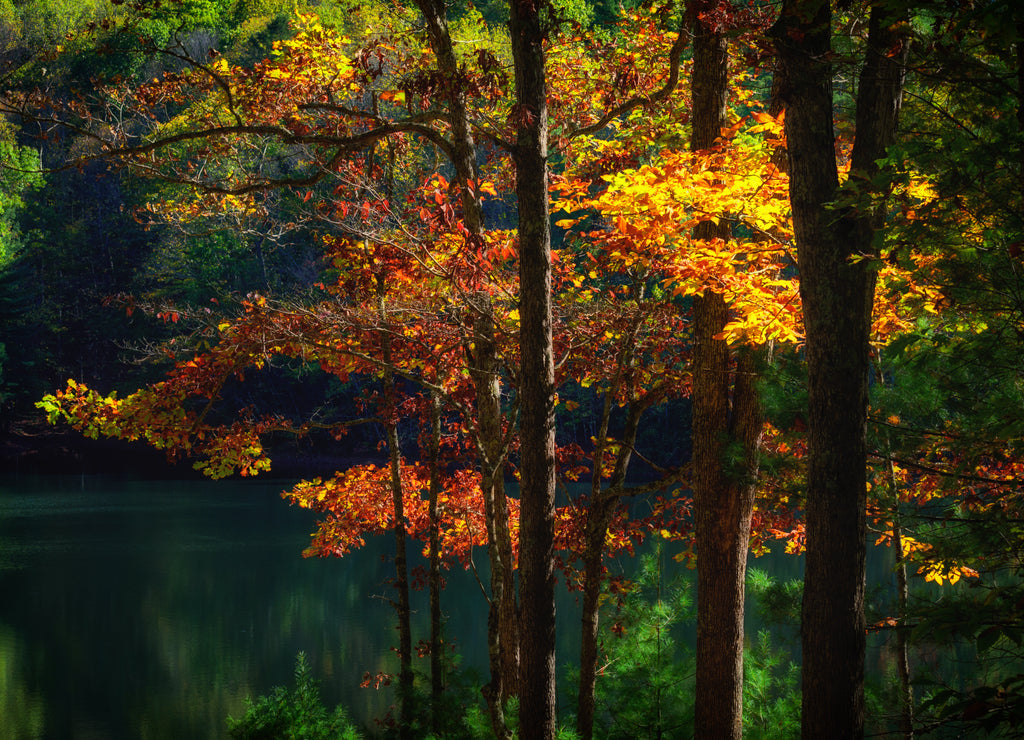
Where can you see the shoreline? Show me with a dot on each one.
(33, 447)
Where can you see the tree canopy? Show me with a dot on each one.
(755, 266)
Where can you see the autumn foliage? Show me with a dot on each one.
(418, 272)
(629, 261)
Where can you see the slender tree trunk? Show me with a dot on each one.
(836, 288)
(403, 607)
(502, 637)
(725, 410)
(537, 427)
(903, 601)
(599, 515)
(902, 588)
(502, 622)
(437, 671)
(463, 151)
(405, 673)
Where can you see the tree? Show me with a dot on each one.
(726, 411)
(537, 382)
(837, 282)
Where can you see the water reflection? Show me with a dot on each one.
(152, 610)
(21, 711)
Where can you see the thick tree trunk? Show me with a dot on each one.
(724, 412)
(836, 288)
(836, 296)
(723, 503)
(537, 427)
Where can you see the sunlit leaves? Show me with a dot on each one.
(158, 415)
(653, 210)
(936, 571)
(358, 503)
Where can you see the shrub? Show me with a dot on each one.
(293, 714)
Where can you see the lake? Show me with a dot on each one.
(152, 609)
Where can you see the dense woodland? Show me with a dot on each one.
(758, 266)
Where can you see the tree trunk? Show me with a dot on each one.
(723, 498)
(723, 503)
(405, 674)
(836, 288)
(903, 603)
(902, 585)
(402, 607)
(599, 515)
(463, 151)
(437, 671)
(502, 633)
(537, 427)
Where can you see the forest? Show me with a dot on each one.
(547, 282)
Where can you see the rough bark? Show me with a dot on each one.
(725, 412)
(723, 506)
(836, 287)
(537, 428)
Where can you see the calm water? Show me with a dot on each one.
(151, 610)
